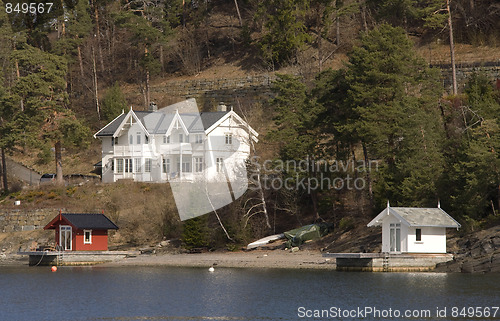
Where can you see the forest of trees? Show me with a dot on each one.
(60, 76)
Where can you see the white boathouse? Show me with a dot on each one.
(413, 230)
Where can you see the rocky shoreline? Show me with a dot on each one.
(475, 253)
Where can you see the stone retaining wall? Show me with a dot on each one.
(491, 69)
(257, 89)
(209, 92)
(25, 220)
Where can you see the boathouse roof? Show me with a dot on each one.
(414, 216)
(91, 221)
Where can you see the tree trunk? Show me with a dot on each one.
(148, 95)
(96, 93)
(162, 59)
(98, 34)
(498, 198)
(59, 169)
(80, 61)
(4, 172)
(363, 16)
(452, 50)
(238, 11)
(18, 74)
(368, 176)
(337, 29)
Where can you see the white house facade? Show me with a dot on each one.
(165, 145)
(413, 230)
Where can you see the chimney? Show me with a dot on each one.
(153, 106)
(221, 107)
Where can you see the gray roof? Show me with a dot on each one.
(159, 121)
(413, 216)
(94, 221)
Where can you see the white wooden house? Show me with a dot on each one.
(413, 230)
(176, 143)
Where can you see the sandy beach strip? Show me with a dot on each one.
(252, 259)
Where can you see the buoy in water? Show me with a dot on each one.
(54, 268)
(211, 269)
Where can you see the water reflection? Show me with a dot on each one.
(158, 293)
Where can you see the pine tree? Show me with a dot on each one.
(114, 103)
(285, 29)
(46, 117)
(296, 134)
(394, 95)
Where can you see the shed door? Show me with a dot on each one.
(65, 237)
(395, 237)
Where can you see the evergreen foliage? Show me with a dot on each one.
(113, 103)
(285, 29)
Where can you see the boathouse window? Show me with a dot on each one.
(418, 234)
(87, 236)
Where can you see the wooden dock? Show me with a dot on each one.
(385, 262)
(60, 258)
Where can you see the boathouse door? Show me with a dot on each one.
(65, 237)
(395, 238)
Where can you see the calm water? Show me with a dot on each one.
(160, 293)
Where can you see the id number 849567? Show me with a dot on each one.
(32, 8)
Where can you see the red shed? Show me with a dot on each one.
(81, 231)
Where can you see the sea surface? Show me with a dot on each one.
(166, 293)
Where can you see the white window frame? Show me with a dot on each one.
(165, 165)
(115, 139)
(148, 163)
(131, 140)
(128, 165)
(181, 138)
(138, 165)
(198, 139)
(219, 164)
(198, 164)
(186, 166)
(85, 237)
(119, 165)
(139, 134)
(228, 139)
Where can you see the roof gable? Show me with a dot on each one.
(94, 221)
(415, 217)
(162, 121)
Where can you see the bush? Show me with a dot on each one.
(195, 232)
(346, 224)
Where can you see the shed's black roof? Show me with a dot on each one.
(90, 221)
